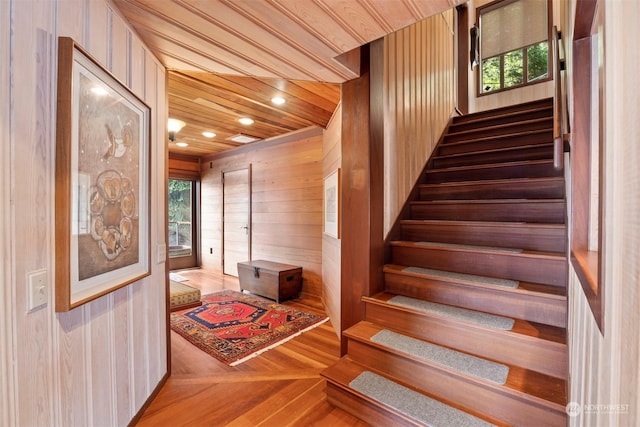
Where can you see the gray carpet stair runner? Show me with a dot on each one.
(461, 362)
(461, 276)
(465, 315)
(413, 404)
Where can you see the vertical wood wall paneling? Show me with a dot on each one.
(211, 212)
(32, 193)
(420, 98)
(331, 247)
(287, 191)
(101, 331)
(8, 402)
(78, 367)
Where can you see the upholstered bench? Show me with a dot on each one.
(183, 296)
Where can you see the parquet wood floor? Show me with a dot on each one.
(281, 387)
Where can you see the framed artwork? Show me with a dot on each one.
(102, 181)
(332, 204)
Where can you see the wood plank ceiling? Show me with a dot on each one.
(228, 58)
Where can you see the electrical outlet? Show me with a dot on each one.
(38, 290)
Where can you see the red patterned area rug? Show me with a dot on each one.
(234, 327)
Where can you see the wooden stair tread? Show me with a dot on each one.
(503, 224)
(474, 139)
(519, 380)
(463, 134)
(498, 137)
(548, 291)
(501, 125)
(538, 180)
(486, 202)
(550, 268)
(480, 142)
(540, 103)
(346, 370)
(546, 164)
(547, 211)
(506, 339)
(493, 201)
(520, 327)
(533, 302)
(492, 151)
(478, 248)
(470, 118)
(525, 235)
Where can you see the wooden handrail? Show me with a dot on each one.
(558, 122)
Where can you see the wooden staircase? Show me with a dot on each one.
(487, 234)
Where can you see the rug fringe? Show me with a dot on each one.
(282, 341)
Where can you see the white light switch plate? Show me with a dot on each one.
(38, 291)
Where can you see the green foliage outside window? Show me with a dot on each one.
(180, 214)
(507, 70)
(537, 59)
(179, 200)
(513, 66)
(491, 74)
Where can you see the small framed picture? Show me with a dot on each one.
(102, 181)
(332, 204)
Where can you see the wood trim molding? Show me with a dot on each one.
(587, 264)
(184, 167)
(362, 188)
(136, 418)
(7, 308)
(462, 31)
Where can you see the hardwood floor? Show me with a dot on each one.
(281, 387)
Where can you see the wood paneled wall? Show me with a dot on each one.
(331, 247)
(97, 364)
(184, 167)
(420, 98)
(605, 368)
(287, 189)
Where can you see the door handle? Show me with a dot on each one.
(246, 228)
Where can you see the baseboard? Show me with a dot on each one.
(147, 402)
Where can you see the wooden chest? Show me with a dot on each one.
(270, 279)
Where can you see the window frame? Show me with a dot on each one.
(193, 260)
(497, 5)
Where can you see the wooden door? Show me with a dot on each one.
(236, 220)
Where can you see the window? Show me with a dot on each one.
(182, 231)
(514, 44)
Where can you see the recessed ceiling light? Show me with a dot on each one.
(246, 121)
(278, 100)
(182, 144)
(208, 134)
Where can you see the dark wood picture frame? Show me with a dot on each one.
(102, 194)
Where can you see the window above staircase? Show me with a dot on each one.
(514, 44)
